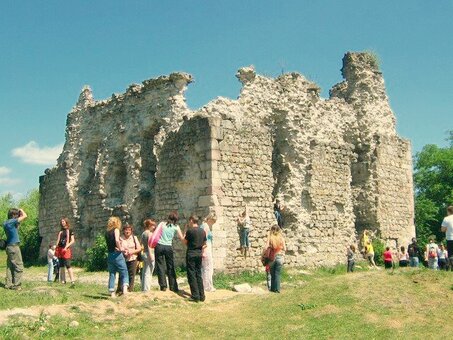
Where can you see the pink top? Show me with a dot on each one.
(130, 246)
(387, 256)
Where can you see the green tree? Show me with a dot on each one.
(433, 180)
(28, 231)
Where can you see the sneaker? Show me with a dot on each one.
(113, 295)
(18, 288)
(72, 285)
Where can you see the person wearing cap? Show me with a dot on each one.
(447, 228)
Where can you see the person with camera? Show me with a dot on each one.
(14, 263)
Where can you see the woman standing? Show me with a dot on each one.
(115, 260)
(149, 226)
(65, 240)
(164, 253)
(277, 243)
(207, 265)
(131, 247)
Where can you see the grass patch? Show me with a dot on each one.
(326, 303)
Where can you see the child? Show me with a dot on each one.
(50, 262)
(351, 258)
(442, 256)
(388, 258)
(403, 257)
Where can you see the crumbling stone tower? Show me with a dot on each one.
(337, 164)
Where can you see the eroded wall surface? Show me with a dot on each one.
(337, 164)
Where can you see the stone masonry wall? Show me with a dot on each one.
(336, 164)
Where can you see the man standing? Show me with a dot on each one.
(196, 240)
(413, 250)
(14, 264)
(447, 228)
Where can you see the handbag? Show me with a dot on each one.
(267, 256)
(155, 237)
(139, 255)
(2, 244)
(62, 253)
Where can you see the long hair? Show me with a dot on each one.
(211, 216)
(66, 221)
(149, 223)
(275, 237)
(114, 222)
(173, 217)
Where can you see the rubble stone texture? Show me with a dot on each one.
(336, 164)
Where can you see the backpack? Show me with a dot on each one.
(411, 251)
(432, 253)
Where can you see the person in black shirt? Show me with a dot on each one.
(195, 239)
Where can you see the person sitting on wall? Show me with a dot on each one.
(278, 208)
(244, 225)
(364, 241)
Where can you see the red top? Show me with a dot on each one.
(387, 256)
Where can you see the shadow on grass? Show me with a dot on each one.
(184, 294)
(102, 296)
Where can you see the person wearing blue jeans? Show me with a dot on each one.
(276, 272)
(244, 224)
(14, 263)
(276, 241)
(115, 260)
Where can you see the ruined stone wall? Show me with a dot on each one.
(336, 164)
(245, 168)
(394, 170)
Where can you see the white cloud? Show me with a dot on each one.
(4, 171)
(9, 181)
(31, 153)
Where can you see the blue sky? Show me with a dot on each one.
(50, 49)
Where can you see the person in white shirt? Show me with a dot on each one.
(447, 228)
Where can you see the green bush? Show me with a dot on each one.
(379, 249)
(96, 256)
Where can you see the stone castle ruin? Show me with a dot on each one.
(337, 164)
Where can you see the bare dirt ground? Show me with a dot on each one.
(104, 307)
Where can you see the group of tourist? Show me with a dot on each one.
(435, 256)
(155, 248)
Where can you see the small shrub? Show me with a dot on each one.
(379, 248)
(96, 256)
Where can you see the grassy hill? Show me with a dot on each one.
(326, 303)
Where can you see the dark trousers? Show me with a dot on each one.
(193, 262)
(131, 270)
(351, 265)
(165, 262)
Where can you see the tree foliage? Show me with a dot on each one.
(28, 231)
(433, 180)
(96, 256)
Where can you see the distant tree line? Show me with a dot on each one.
(433, 181)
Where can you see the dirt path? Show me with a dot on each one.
(104, 307)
